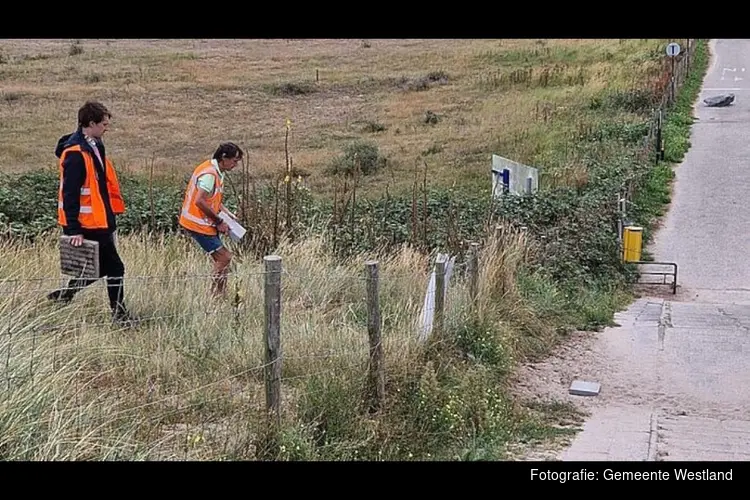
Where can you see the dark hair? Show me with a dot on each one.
(227, 150)
(92, 111)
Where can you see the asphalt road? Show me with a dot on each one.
(674, 375)
(707, 229)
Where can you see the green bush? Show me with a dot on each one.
(359, 156)
(641, 101)
(28, 203)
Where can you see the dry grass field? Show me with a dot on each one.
(189, 382)
(447, 104)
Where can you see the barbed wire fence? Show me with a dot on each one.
(76, 344)
(667, 86)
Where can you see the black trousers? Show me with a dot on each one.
(110, 265)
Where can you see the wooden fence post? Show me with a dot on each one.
(473, 271)
(272, 354)
(440, 268)
(620, 217)
(376, 372)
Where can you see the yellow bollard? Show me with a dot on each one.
(632, 240)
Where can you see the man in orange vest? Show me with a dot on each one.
(199, 216)
(89, 198)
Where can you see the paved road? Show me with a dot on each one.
(706, 230)
(675, 372)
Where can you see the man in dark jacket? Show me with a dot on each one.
(89, 199)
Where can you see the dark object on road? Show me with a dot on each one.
(719, 101)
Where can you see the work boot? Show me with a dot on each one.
(122, 317)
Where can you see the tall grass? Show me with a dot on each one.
(188, 382)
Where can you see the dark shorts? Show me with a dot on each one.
(208, 243)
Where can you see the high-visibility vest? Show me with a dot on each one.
(192, 217)
(92, 214)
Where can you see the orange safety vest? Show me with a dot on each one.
(192, 217)
(92, 214)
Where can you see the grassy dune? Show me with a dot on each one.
(175, 100)
(188, 383)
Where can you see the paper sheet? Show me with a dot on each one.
(236, 231)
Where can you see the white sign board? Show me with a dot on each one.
(673, 49)
(513, 176)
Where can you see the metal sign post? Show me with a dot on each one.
(673, 50)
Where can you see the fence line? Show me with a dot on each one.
(669, 85)
(13, 283)
(25, 362)
(151, 277)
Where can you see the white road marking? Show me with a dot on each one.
(724, 70)
(733, 70)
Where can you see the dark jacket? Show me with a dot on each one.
(73, 176)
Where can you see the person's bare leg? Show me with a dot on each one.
(222, 258)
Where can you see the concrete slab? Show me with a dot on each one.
(614, 433)
(584, 388)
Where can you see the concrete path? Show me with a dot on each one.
(675, 375)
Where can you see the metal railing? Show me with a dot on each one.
(664, 274)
